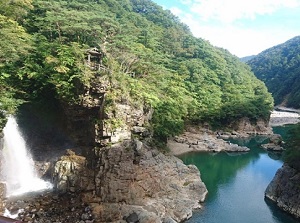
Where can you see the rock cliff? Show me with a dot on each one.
(284, 190)
(246, 127)
(118, 173)
(131, 180)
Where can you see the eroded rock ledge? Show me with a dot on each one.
(130, 180)
(202, 140)
(284, 190)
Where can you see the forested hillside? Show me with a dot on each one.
(279, 68)
(148, 56)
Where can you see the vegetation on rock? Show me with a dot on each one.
(148, 56)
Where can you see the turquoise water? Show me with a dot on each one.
(236, 185)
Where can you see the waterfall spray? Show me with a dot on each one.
(17, 165)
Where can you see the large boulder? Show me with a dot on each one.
(70, 174)
(284, 190)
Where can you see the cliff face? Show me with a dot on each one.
(245, 126)
(284, 190)
(131, 179)
(118, 174)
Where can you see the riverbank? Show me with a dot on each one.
(284, 189)
(131, 183)
(202, 140)
(284, 117)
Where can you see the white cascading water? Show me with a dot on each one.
(17, 165)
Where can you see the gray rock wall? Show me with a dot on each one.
(130, 178)
(121, 178)
(284, 190)
(244, 125)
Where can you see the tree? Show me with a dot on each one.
(14, 41)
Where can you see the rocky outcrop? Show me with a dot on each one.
(97, 122)
(272, 147)
(120, 178)
(71, 174)
(133, 181)
(284, 190)
(275, 143)
(245, 127)
(201, 140)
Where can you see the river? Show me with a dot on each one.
(236, 185)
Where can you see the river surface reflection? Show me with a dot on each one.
(236, 185)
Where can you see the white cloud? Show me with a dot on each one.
(228, 11)
(214, 20)
(238, 38)
(240, 41)
(176, 11)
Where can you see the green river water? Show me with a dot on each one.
(236, 184)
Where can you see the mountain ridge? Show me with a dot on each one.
(278, 67)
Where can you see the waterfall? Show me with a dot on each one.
(17, 165)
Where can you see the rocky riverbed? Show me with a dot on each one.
(204, 140)
(128, 183)
(50, 207)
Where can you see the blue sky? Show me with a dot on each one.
(244, 27)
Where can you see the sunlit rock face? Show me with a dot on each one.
(284, 190)
(244, 125)
(70, 174)
(135, 179)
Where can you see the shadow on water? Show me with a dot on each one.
(278, 214)
(217, 169)
(221, 168)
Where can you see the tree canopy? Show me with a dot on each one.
(151, 58)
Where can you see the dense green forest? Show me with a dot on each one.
(279, 68)
(148, 56)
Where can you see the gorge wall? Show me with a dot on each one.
(131, 178)
(122, 176)
(114, 169)
(284, 190)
